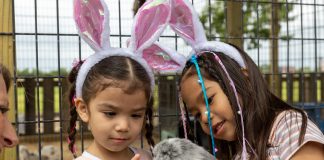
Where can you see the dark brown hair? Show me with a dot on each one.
(260, 106)
(6, 76)
(118, 69)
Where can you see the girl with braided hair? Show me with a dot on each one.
(112, 90)
(222, 87)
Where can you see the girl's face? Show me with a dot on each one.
(222, 118)
(116, 118)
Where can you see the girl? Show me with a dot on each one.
(223, 88)
(112, 90)
(273, 129)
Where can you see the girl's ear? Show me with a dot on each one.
(82, 109)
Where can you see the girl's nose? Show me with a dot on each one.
(204, 117)
(122, 125)
(9, 135)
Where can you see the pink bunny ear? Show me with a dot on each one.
(163, 59)
(150, 21)
(92, 22)
(185, 22)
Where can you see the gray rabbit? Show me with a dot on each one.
(180, 149)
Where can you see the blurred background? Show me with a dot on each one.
(39, 42)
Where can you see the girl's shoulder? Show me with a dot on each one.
(145, 155)
(285, 134)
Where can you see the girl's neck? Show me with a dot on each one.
(104, 154)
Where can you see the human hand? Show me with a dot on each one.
(136, 157)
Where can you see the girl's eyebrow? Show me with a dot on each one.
(143, 108)
(110, 106)
(201, 94)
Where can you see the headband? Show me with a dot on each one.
(185, 22)
(92, 22)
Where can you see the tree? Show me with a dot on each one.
(255, 24)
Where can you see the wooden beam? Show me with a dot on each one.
(6, 58)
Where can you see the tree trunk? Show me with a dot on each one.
(274, 32)
(234, 23)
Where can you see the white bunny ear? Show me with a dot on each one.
(185, 22)
(92, 21)
(150, 21)
(163, 59)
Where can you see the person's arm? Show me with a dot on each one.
(310, 150)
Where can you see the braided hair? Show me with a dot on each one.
(260, 106)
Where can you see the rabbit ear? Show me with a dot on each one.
(185, 22)
(150, 21)
(92, 21)
(163, 59)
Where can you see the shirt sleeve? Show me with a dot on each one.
(286, 132)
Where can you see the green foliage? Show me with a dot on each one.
(256, 19)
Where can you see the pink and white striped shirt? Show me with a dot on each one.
(285, 135)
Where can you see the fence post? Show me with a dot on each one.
(309, 87)
(290, 88)
(30, 109)
(65, 104)
(168, 117)
(48, 104)
(7, 59)
(322, 88)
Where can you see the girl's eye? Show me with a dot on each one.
(137, 115)
(4, 110)
(210, 99)
(110, 114)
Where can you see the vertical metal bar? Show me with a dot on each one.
(257, 34)
(176, 78)
(226, 21)
(209, 19)
(15, 73)
(288, 80)
(159, 107)
(272, 41)
(59, 75)
(81, 123)
(302, 54)
(315, 39)
(37, 83)
(119, 24)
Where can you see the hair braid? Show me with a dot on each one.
(149, 125)
(73, 113)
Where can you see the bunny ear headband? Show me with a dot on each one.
(185, 22)
(92, 21)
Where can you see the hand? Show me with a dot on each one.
(136, 157)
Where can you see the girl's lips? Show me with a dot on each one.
(119, 140)
(218, 127)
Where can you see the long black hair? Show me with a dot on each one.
(260, 106)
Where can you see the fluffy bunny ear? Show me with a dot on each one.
(150, 21)
(185, 22)
(163, 59)
(92, 21)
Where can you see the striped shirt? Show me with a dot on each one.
(285, 133)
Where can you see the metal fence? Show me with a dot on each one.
(285, 38)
